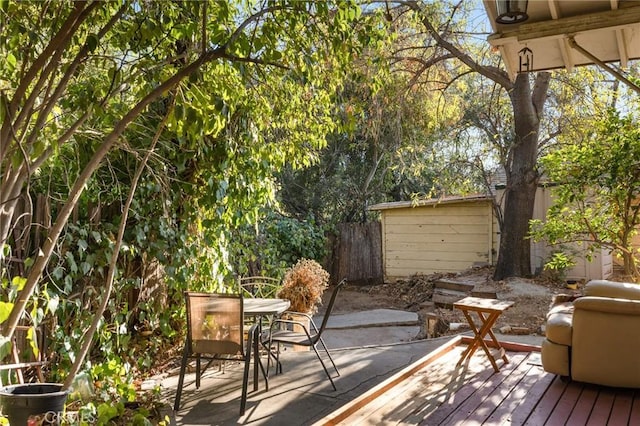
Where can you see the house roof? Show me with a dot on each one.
(569, 33)
(432, 202)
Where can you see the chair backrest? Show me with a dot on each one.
(215, 323)
(259, 286)
(332, 301)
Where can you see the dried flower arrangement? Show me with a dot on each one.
(303, 284)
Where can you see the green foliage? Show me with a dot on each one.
(253, 95)
(274, 243)
(116, 398)
(113, 381)
(559, 263)
(381, 148)
(599, 187)
(293, 239)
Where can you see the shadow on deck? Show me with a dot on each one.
(436, 392)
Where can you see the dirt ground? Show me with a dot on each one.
(532, 298)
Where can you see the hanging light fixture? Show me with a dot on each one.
(511, 11)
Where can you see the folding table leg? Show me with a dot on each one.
(468, 352)
(487, 323)
(503, 354)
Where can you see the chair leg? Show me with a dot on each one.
(276, 357)
(245, 378)
(271, 355)
(183, 367)
(324, 367)
(265, 373)
(329, 355)
(278, 363)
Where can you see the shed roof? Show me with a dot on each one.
(432, 202)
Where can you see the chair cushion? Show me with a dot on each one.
(604, 288)
(558, 328)
(555, 358)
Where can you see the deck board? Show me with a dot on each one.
(582, 409)
(621, 409)
(517, 395)
(498, 404)
(521, 393)
(460, 394)
(602, 408)
(546, 404)
(634, 416)
(565, 405)
(482, 393)
(534, 385)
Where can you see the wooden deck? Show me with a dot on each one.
(434, 391)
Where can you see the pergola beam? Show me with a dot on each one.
(596, 60)
(563, 46)
(612, 19)
(621, 41)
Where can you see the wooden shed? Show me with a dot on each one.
(444, 235)
(456, 233)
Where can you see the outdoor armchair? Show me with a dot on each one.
(595, 338)
(286, 330)
(215, 332)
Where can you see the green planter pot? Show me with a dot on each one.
(19, 402)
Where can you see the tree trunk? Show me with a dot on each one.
(522, 175)
(630, 266)
(514, 258)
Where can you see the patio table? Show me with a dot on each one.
(488, 311)
(259, 308)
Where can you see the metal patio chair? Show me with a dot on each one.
(282, 331)
(259, 286)
(215, 332)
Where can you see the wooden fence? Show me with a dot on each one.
(357, 253)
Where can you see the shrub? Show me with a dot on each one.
(558, 265)
(303, 284)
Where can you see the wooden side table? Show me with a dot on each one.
(488, 311)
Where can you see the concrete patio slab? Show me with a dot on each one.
(373, 318)
(301, 395)
(368, 347)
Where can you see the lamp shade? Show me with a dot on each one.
(511, 11)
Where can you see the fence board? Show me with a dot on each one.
(358, 253)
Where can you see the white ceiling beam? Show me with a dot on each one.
(563, 45)
(512, 70)
(623, 49)
(491, 13)
(567, 54)
(553, 8)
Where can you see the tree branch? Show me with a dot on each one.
(87, 337)
(64, 82)
(44, 65)
(44, 255)
(492, 73)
